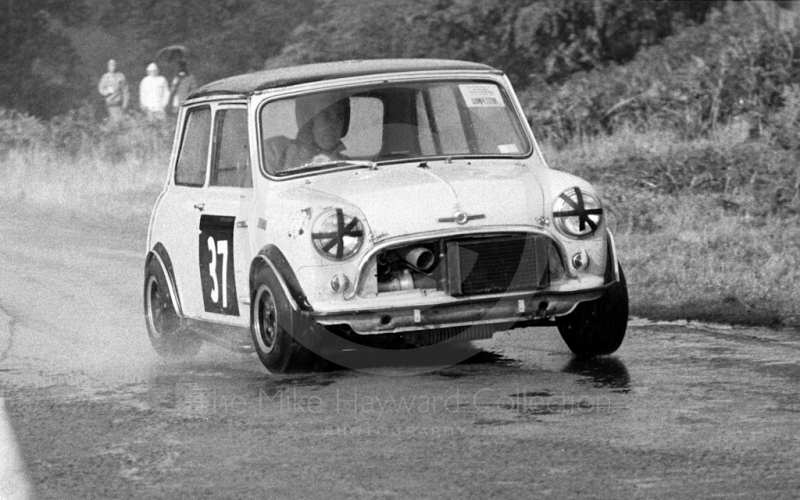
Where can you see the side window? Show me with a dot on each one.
(193, 155)
(231, 163)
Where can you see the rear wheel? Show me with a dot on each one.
(272, 321)
(163, 323)
(598, 327)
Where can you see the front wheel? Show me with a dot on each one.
(597, 327)
(272, 320)
(163, 323)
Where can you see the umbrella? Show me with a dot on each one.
(173, 53)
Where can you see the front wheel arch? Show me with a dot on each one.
(271, 257)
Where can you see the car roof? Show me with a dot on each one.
(293, 75)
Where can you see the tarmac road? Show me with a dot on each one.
(692, 411)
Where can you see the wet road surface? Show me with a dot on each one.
(693, 411)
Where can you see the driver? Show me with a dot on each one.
(322, 122)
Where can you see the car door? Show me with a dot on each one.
(178, 216)
(223, 244)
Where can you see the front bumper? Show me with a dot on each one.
(414, 313)
(502, 312)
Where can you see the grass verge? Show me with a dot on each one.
(706, 230)
(705, 264)
(87, 183)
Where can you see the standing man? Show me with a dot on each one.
(114, 88)
(154, 94)
(182, 85)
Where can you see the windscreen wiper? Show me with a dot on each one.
(310, 167)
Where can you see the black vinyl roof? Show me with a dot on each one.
(272, 78)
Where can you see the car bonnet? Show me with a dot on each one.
(398, 200)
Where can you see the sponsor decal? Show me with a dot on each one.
(482, 95)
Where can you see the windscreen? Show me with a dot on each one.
(390, 122)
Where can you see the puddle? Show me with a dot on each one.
(531, 394)
(304, 381)
(484, 357)
(493, 422)
(604, 373)
(474, 364)
(440, 359)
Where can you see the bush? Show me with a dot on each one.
(20, 130)
(77, 134)
(737, 65)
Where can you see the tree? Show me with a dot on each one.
(529, 39)
(224, 37)
(37, 61)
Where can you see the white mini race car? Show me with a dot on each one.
(381, 203)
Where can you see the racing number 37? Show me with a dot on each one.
(216, 265)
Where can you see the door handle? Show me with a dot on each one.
(242, 224)
(200, 206)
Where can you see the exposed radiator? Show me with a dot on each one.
(496, 264)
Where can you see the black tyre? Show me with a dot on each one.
(163, 324)
(271, 322)
(597, 327)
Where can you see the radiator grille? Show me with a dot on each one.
(497, 264)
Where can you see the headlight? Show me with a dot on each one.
(337, 235)
(577, 213)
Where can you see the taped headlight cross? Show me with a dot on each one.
(579, 210)
(336, 238)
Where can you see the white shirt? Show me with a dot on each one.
(154, 93)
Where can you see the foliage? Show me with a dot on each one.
(20, 130)
(76, 134)
(37, 62)
(562, 38)
(74, 163)
(740, 64)
(636, 172)
(224, 37)
(532, 40)
(529, 39)
(706, 228)
(52, 52)
(706, 263)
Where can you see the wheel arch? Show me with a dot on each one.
(612, 260)
(271, 256)
(161, 256)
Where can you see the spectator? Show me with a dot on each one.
(154, 94)
(114, 88)
(182, 85)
